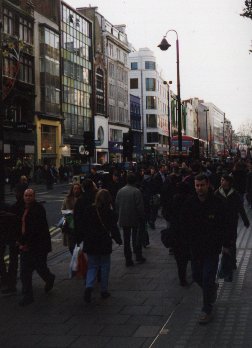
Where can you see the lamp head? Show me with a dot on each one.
(164, 45)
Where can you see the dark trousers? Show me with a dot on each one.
(204, 269)
(8, 274)
(182, 257)
(133, 232)
(30, 262)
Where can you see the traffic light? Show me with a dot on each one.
(89, 142)
(128, 145)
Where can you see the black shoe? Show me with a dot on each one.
(87, 295)
(140, 259)
(105, 294)
(9, 291)
(49, 284)
(129, 263)
(25, 301)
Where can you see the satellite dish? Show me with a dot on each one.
(81, 149)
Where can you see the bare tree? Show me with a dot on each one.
(247, 11)
(246, 128)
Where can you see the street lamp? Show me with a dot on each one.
(164, 45)
(169, 116)
(206, 110)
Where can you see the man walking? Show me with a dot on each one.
(34, 245)
(130, 208)
(203, 224)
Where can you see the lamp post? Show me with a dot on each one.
(164, 45)
(206, 111)
(224, 121)
(169, 116)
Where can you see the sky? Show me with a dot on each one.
(214, 43)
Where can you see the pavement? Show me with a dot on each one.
(147, 308)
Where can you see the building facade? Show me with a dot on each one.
(136, 127)
(147, 83)
(111, 58)
(17, 83)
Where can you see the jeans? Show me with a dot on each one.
(136, 242)
(96, 262)
(204, 269)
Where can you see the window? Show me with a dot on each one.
(150, 84)
(134, 66)
(151, 102)
(150, 65)
(133, 83)
(111, 50)
(26, 70)
(48, 139)
(99, 91)
(8, 22)
(152, 137)
(25, 30)
(116, 135)
(151, 121)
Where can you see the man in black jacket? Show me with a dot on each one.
(34, 245)
(203, 224)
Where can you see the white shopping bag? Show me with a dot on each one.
(74, 260)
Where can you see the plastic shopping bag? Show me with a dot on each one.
(74, 261)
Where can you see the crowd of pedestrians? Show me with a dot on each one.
(200, 202)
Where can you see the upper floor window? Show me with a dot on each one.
(151, 102)
(25, 30)
(8, 22)
(111, 50)
(151, 121)
(150, 84)
(150, 65)
(134, 66)
(133, 83)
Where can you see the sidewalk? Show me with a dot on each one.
(147, 307)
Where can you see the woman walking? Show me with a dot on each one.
(100, 228)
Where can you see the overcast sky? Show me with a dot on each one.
(214, 43)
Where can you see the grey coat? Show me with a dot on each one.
(129, 206)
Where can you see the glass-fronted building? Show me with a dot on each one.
(76, 69)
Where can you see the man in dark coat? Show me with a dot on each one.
(234, 208)
(203, 222)
(34, 245)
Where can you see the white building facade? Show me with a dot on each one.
(146, 82)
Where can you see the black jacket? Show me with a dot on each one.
(233, 207)
(204, 225)
(96, 235)
(37, 236)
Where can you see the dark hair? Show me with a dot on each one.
(88, 185)
(201, 177)
(228, 178)
(103, 199)
(131, 179)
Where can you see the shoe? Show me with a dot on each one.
(87, 295)
(205, 318)
(105, 294)
(129, 263)
(49, 284)
(140, 259)
(9, 291)
(25, 301)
